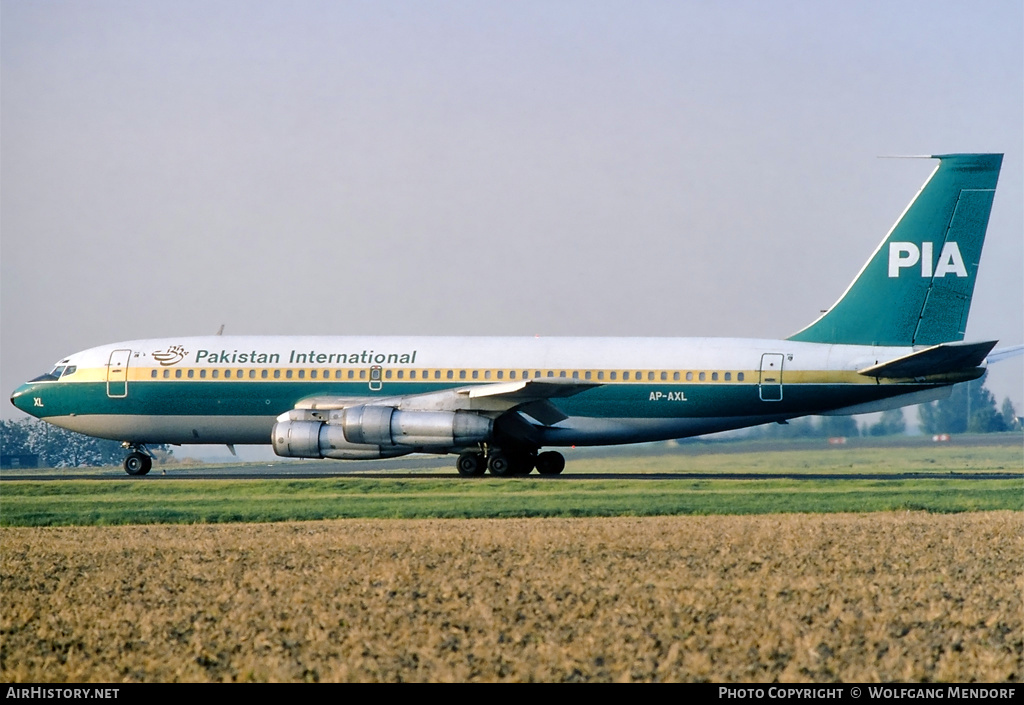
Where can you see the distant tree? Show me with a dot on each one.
(15, 437)
(835, 426)
(58, 447)
(891, 423)
(1010, 416)
(970, 407)
(64, 448)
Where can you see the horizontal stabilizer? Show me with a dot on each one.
(1005, 353)
(936, 360)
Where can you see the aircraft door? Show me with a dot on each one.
(376, 377)
(117, 374)
(770, 383)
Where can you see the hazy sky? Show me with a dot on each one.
(465, 168)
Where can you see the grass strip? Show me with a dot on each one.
(200, 501)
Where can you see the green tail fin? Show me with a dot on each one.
(916, 289)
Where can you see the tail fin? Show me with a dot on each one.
(916, 289)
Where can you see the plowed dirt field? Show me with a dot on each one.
(875, 597)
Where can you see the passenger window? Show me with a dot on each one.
(702, 376)
(312, 374)
(675, 376)
(387, 374)
(153, 374)
(202, 374)
(412, 374)
(227, 374)
(612, 375)
(214, 374)
(263, 374)
(689, 376)
(252, 374)
(512, 374)
(600, 375)
(476, 374)
(277, 374)
(625, 376)
(551, 373)
(587, 375)
(288, 374)
(191, 374)
(501, 374)
(462, 374)
(177, 374)
(562, 373)
(664, 376)
(650, 375)
(362, 374)
(167, 374)
(728, 376)
(487, 374)
(714, 376)
(739, 376)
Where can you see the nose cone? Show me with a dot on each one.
(22, 398)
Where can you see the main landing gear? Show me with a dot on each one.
(139, 461)
(509, 463)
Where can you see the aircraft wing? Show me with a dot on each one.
(935, 360)
(531, 396)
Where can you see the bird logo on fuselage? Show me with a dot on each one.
(172, 356)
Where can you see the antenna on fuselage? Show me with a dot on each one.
(221, 331)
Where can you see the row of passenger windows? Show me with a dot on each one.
(378, 374)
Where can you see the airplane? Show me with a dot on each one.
(894, 338)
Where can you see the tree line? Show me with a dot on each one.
(58, 447)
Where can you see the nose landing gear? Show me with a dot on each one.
(139, 461)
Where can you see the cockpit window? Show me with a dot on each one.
(56, 373)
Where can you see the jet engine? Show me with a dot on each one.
(370, 432)
(385, 425)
